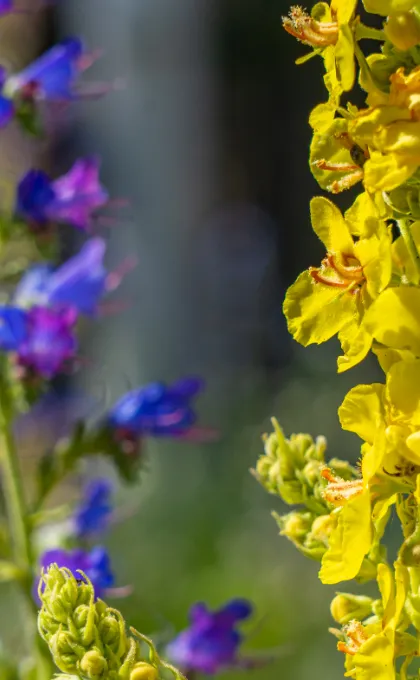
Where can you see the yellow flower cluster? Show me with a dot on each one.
(366, 291)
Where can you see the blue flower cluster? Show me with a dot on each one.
(38, 332)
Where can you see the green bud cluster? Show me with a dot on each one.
(307, 531)
(88, 639)
(291, 468)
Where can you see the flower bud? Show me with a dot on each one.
(92, 642)
(143, 671)
(93, 665)
(322, 527)
(295, 525)
(346, 607)
(403, 30)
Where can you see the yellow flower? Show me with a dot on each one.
(333, 298)
(387, 418)
(371, 649)
(329, 30)
(390, 130)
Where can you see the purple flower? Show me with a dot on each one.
(96, 564)
(53, 76)
(79, 283)
(6, 6)
(211, 643)
(49, 341)
(70, 199)
(13, 328)
(157, 410)
(94, 512)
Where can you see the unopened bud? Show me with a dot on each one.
(403, 30)
(143, 671)
(295, 525)
(346, 607)
(93, 664)
(322, 527)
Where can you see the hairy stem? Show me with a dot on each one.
(405, 231)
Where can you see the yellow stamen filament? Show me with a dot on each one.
(308, 30)
(348, 271)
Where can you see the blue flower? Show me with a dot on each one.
(211, 643)
(70, 199)
(96, 564)
(52, 76)
(157, 410)
(79, 283)
(7, 108)
(94, 512)
(13, 328)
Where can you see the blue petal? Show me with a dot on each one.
(7, 110)
(13, 328)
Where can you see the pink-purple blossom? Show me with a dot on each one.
(70, 199)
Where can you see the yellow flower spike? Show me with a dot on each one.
(333, 298)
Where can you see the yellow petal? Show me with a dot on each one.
(388, 171)
(355, 342)
(362, 409)
(413, 444)
(403, 390)
(369, 121)
(344, 9)
(349, 542)
(362, 216)
(402, 137)
(322, 117)
(394, 319)
(375, 660)
(315, 312)
(344, 57)
(374, 455)
(387, 357)
(329, 225)
(375, 256)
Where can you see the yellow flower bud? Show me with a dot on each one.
(346, 607)
(403, 30)
(93, 664)
(144, 671)
(322, 527)
(296, 525)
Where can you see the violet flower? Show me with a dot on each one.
(79, 283)
(13, 328)
(52, 76)
(96, 564)
(157, 410)
(94, 512)
(70, 199)
(6, 6)
(49, 341)
(211, 643)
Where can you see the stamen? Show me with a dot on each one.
(309, 31)
(356, 635)
(339, 491)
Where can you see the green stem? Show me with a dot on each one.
(405, 231)
(17, 518)
(12, 480)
